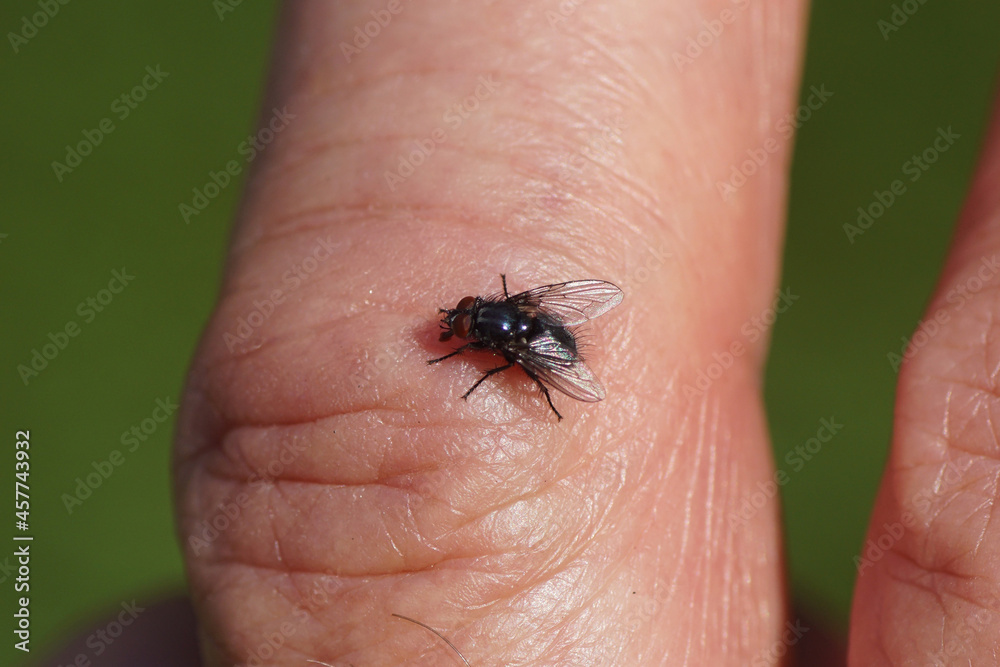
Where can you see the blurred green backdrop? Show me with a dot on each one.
(64, 234)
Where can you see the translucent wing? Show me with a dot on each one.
(561, 367)
(573, 302)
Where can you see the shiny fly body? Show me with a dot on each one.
(531, 330)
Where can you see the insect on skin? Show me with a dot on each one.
(531, 330)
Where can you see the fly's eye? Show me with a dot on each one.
(466, 303)
(462, 324)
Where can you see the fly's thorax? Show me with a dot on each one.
(502, 321)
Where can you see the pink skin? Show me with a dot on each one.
(347, 479)
(931, 587)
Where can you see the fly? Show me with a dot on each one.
(531, 330)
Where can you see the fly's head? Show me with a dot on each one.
(458, 321)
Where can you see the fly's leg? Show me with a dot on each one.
(474, 345)
(499, 369)
(452, 354)
(503, 279)
(545, 390)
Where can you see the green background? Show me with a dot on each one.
(119, 208)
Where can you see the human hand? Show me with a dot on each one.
(328, 478)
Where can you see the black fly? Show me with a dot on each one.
(530, 330)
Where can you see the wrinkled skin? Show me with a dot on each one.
(347, 480)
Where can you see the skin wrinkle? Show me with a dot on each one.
(692, 629)
(988, 506)
(577, 241)
(546, 131)
(276, 537)
(335, 215)
(982, 394)
(946, 424)
(606, 213)
(279, 342)
(484, 157)
(344, 85)
(614, 216)
(980, 391)
(631, 75)
(708, 583)
(568, 137)
(936, 573)
(381, 475)
(991, 428)
(714, 530)
(625, 94)
(392, 639)
(508, 505)
(575, 118)
(560, 569)
(555, 627)
(564, 635)
(682, 547)
(571, 549)
(930, 588)
(255, 282)
(280, 483)
(359, 578)
(731, 578)
(724, 539)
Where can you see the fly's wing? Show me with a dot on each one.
(559, 366)
(573, 302)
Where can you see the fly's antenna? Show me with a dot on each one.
(424, 625)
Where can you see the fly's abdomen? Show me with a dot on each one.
(565, 338)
